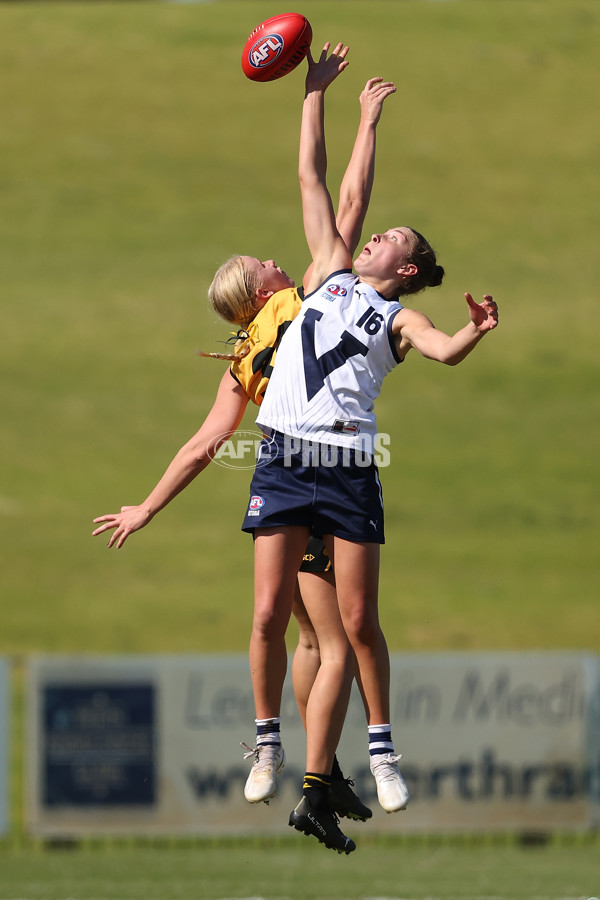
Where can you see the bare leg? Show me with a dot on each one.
(307, 657)
(357, 576)
(277, 556)
(357, 571)
(327, 700)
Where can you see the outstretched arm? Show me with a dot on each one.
(357, 183)
(221, 422)
(327, 248)
(413, 329)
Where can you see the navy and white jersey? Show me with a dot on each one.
(331, 364)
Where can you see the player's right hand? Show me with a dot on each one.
(130, 519)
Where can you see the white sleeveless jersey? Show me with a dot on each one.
(331, 364)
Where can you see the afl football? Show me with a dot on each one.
(276, 46)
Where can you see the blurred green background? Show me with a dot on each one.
(135, 157)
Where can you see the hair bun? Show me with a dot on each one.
(436, 276)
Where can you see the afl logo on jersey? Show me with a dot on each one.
(265, 51)
(336, 289)
(255, 505)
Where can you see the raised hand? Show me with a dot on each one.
(483, 315)
(326, 69)
(372, 97)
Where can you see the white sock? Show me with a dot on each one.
(267, 732)
(380, 739)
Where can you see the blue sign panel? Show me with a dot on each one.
(99, 745)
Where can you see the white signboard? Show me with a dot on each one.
(4, 745)
(151, 745)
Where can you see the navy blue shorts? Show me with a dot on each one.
(328, 489)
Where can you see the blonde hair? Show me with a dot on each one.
(242, 341)
(232, 293)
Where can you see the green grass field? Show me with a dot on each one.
(134, 159)
(296, 870)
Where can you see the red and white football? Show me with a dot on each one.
(276, 47)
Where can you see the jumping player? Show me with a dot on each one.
(260, 298)
(351, 332)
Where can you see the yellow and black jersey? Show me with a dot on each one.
(265, 333)
(254, 370)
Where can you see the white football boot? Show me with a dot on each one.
(392, 792)
(269, 759)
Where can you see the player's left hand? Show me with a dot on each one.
(483, 315)
(372, 97)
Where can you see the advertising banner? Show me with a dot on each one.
(151, 745)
